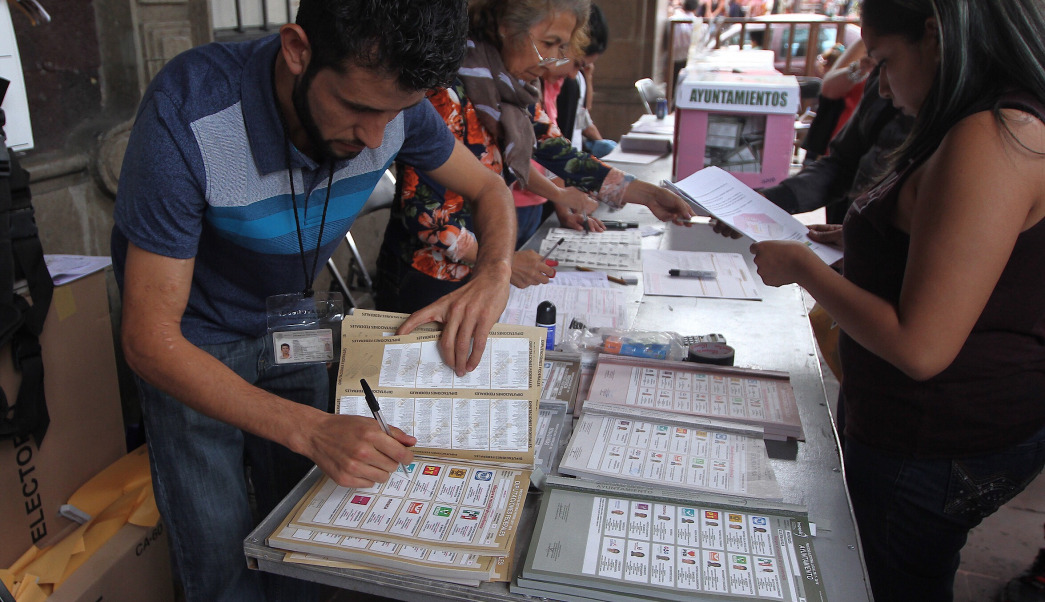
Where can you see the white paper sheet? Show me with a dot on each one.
(649, 124)
(592, 306)
(731, 201)
(66, 268)
(622, 156)
(590, 279)
(732, 278)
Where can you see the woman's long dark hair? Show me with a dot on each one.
(987, 47)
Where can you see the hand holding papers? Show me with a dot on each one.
(730, 201)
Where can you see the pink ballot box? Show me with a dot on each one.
(741, 122)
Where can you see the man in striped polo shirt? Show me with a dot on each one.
(246, 166)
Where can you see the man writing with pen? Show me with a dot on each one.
(246, 166)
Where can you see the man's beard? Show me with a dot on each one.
(303, 111)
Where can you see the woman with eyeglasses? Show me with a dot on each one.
(494, 109)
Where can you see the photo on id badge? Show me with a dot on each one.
(303, 346)
(304, 330)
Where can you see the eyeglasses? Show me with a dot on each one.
(549, 62)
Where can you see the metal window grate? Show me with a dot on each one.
(247, 19)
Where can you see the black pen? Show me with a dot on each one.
(552, 250)
(692, 273)
(375, 409)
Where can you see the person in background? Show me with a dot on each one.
(246, 166)
(845, 80)
(493, 107)
(576, 91)
(684, 26)
(841, 90)
(757, 8)
(571, 88)
(827, 59)
(560, 87)
(941, 304)
(858, 157)
(709, 9)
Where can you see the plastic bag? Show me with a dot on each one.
(634, 343)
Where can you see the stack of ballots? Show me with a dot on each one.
(454, 513)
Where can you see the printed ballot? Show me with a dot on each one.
(489, 414)
(729, 200)
(457, 507)
(616, 250)
(762, 398)
(620, 444)
(603, 542)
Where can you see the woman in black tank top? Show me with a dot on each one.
(942, 303)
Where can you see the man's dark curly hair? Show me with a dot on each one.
(420, 42)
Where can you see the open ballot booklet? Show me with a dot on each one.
(729, 200)
(762, 398)
(604, 542)
(457, 509)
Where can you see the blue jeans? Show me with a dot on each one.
(915, 515)
(529, 219)
(199, 476)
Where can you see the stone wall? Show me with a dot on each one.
(86, 71)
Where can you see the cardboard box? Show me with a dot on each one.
(86, 432)
(742, 122)
(133, 566)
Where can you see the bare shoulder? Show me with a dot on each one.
(1000, 156)
(1013, 132)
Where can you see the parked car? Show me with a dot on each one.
(779, 34)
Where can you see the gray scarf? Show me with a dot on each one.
(502, 102)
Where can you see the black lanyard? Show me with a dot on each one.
(309, 280)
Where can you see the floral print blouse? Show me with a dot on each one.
(431, 227)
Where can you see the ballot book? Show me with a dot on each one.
(332, 548)
(762, 398)
(622, 444)
(554, 425)
(456, 509)
(606, 542)
(562, 377)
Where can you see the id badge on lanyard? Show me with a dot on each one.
(305, 330)
(305, 327)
